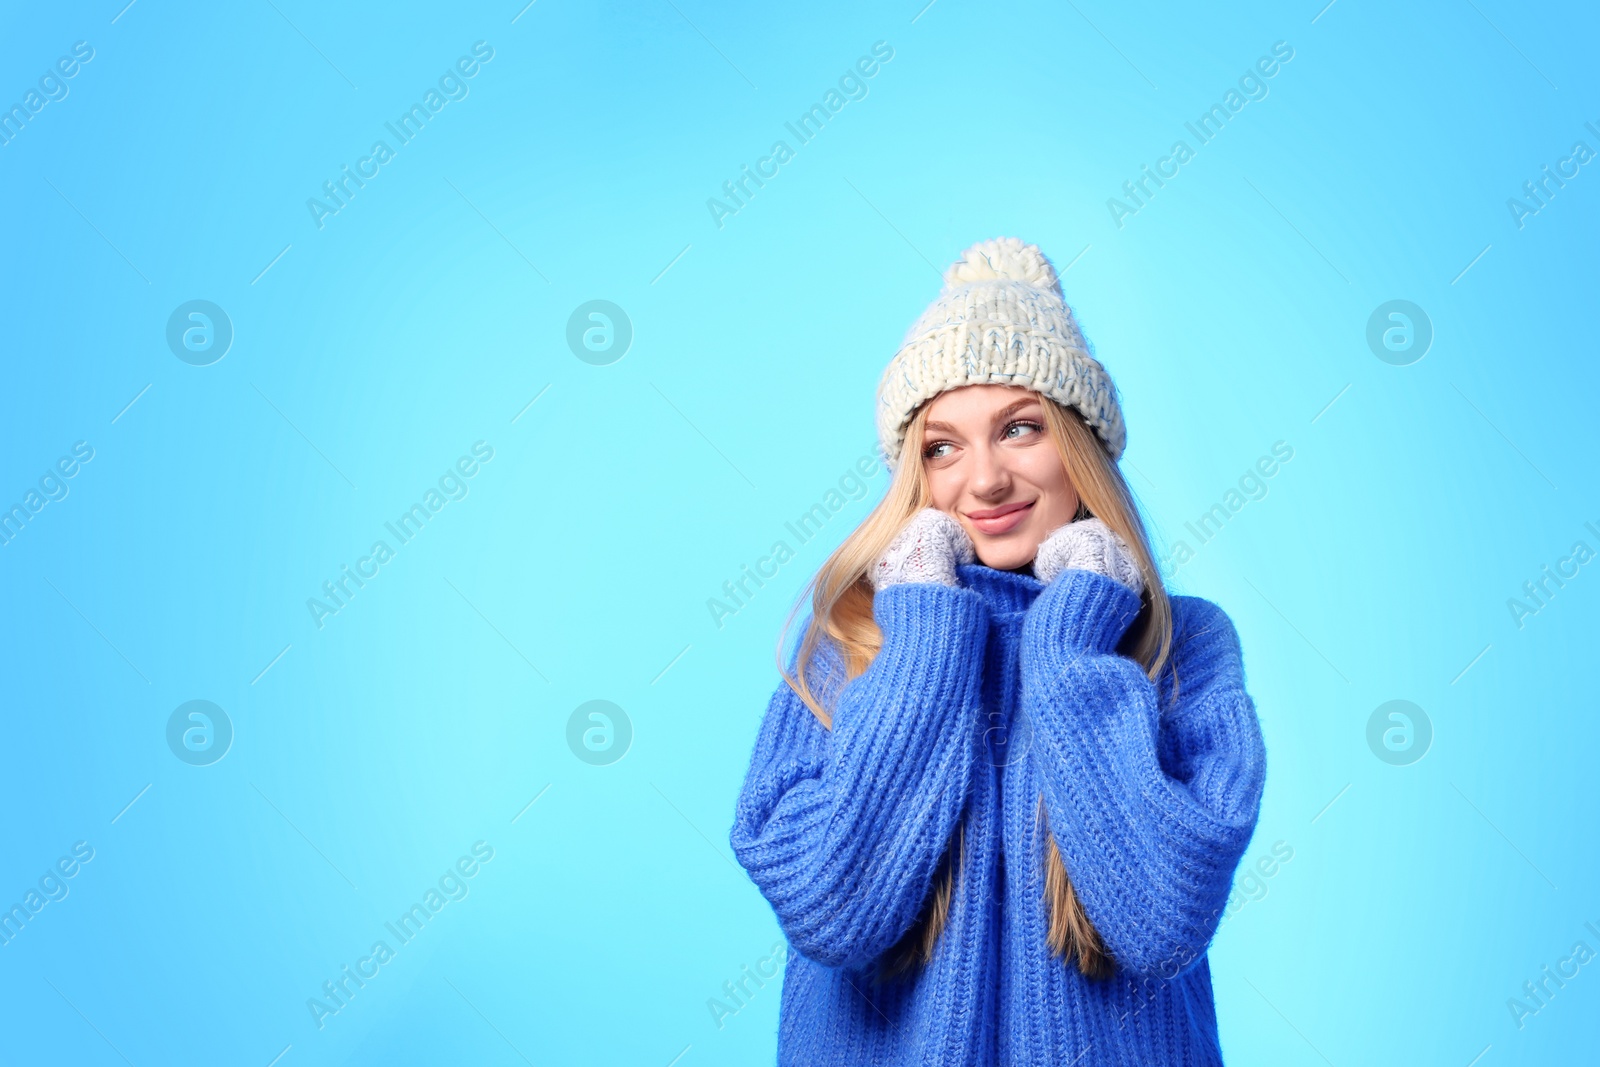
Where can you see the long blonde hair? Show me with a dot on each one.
(841, 602)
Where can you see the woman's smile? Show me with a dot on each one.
(1001, 520)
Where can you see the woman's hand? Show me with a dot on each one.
(927, 550)
(1090, 545)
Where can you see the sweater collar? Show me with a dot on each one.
(1003, 591)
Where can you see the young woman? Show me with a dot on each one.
(999, 797)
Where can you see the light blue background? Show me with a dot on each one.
(429, 312)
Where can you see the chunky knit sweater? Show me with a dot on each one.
(982, 699)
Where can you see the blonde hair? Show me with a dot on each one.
(841, 609)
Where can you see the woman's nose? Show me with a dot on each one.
(989, 472)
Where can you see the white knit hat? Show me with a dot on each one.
(1000, 319)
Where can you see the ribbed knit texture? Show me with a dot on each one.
(983, 698)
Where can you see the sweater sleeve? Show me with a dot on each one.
(842, 829)
(1151, 810)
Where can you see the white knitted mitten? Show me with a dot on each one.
(1087, 544)
(927, 550)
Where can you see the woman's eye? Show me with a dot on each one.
(1033, 426)
(932, 451)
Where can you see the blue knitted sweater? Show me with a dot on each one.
(982, 699)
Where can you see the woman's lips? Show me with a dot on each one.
(1008, 519)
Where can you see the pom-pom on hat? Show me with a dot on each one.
(1000, 319)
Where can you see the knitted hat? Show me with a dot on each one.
(999, 319)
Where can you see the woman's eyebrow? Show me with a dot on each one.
(1004, 413)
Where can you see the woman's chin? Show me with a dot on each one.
(1013, 559)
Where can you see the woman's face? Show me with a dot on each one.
(991, 465)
